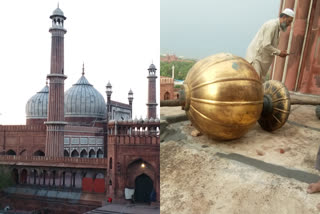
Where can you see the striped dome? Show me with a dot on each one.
(37, 105)
(83, 100)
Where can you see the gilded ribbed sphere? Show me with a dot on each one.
(37, 105)
(83, 100)
(223, 96)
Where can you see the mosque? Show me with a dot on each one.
(75, 141)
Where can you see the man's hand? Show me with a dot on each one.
(283, 54)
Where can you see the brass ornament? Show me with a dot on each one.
(223, 96)
(276, 106)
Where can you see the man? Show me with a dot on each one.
(263, 47)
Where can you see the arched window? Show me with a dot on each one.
(110, 163)
(92, 154)
(44, 177)
(74, 154)
(35, 176)
(23, 176)
(99, 175)
(66, 153)
(167, 96)
(54, 178)
(99, 153)
(10, 152)
(38, 153)
(83, 154)
(15, 176)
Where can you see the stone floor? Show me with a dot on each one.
(261, 172)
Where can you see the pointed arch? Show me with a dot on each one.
(38, 153)
(83, 154)
(92, 154)
(75, 154)
(10, 152)
(99, 153)
(166, 96)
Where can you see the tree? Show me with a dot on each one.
(5, 177)
(181, 68)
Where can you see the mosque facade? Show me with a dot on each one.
(75, 140)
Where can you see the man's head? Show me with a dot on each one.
(286, 18)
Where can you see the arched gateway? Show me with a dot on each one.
(141, 177)
(143, 188)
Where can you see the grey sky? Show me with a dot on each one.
(199, 28)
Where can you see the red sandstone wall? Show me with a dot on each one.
(83, 131)
(126, 154)
(36, 122)
(302, 72)
(166, 85)
(24, 140)
(83, 120)
(124, 151)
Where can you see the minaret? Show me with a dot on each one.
(130, 97)
(109, 92)
(173, 72)
(55, 123)
(152, 103)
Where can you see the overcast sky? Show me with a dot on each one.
(200, 28)
(116, 40)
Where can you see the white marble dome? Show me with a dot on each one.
(58, 12)
(37, 105)
(83, 100)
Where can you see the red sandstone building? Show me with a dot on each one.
(166, 88)
(78, 146)
(300, 71)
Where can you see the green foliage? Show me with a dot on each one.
(5, 177)
(177, 86)
(180, 69)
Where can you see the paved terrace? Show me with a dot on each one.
(262, 172)
(63, 162)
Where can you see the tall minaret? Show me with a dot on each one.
(152, 103)
(173, 72)
(55, 123)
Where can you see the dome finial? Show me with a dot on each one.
(58, 4)
(82, 68)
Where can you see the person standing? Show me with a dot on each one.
(263, 47)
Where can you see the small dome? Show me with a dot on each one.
(152, 66)
(83, 100)
(135, 120)
(58, 12)
(37, 105)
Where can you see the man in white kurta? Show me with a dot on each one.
(263, 47)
